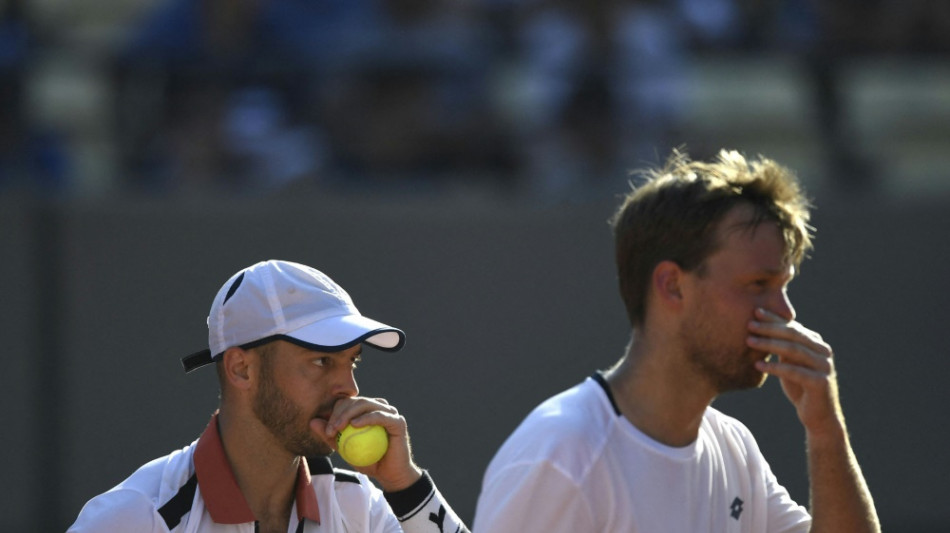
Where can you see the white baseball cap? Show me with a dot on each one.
(274, 300)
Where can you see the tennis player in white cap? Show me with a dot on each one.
(285, 340)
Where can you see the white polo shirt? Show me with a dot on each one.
(576, 464)
(193, 490)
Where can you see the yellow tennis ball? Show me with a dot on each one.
(362, 446)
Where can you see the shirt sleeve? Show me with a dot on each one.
(119, 511)
(785, 515)
(531, 497)
(421, 508)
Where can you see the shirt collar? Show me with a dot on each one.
(219, 488)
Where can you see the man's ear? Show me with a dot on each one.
(236, 365)
(667, 282)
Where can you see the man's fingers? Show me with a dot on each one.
(796, 352)
(348, 410)
(790, 341)
(796, 373)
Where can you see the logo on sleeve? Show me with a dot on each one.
(736, 508)
(438, 519)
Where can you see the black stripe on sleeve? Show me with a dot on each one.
(344, 476)
(180, 504)
(321, 466)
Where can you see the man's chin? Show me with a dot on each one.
(752, 379)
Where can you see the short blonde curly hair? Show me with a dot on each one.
(674, 213)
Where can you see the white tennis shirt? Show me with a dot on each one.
(575, 464)
(193, 490)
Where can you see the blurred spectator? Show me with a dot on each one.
(250, 95)
(213, 93)
(600, 90)
(649, 70)
(750, 25)
(32, 158)
(418, 106)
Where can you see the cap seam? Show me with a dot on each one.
(270, 290)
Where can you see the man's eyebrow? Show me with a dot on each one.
(784, 273)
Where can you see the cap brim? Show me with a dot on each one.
(341, 332)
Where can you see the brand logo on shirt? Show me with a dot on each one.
(736, 508)
(438, 519)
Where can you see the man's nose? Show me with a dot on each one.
(782, 306)
(344, 384)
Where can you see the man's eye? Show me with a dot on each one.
(321, 361)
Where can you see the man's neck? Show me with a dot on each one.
(265, 471)
(661, 399)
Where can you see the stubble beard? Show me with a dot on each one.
(285, 420)
(725, 366)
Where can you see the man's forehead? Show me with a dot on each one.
(760, 243)
(746, 220)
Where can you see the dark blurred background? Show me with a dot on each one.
(452, 164)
